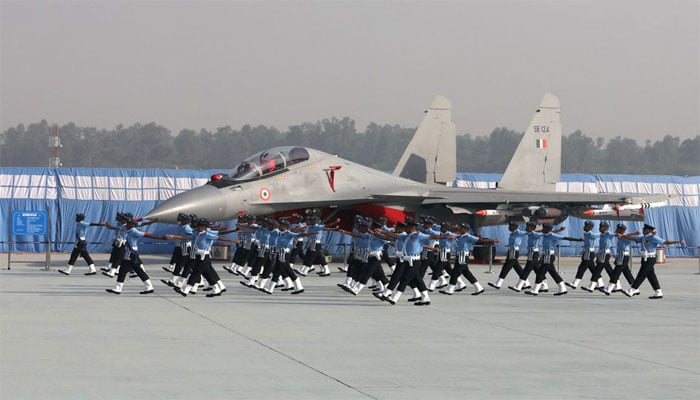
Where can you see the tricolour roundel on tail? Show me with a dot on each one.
(536, 164)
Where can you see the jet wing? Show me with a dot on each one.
(459, 196)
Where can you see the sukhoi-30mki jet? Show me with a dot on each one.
(284, 179)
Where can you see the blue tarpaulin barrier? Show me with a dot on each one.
(100, 193)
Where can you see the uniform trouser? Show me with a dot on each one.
(623, 268)
(133, 263)
(358, 269)
(530, 265)
(284, 269)
(252, 254)
(188, 268)
(116, 256)
(237, 254)
(547, 266)
(410, 277)
(354, 267)
(80, 249)
(242, 256)
(432, 260)
(314, 255)
(462, 269)
(599, 266)
(442, 266)
(268, 264)
(180, 263)
(177, 251)
(258, 264)
(373, 269)
(586, 264)
(385, 255)
(646, 271)
(511, 263)
(351, 256)
(202, 267)
(297, 251)
(399, 271)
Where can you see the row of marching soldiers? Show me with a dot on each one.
(267, 247)
(264, 253)
(598, 250)
(192, 265)
(418, 246)
(429, 245)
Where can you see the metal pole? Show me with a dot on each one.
(558, 258)
(698, 273)
(490, 250)
(9, 241)
(48, 239)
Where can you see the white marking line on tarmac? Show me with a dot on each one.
(283, 354)
(507, 328)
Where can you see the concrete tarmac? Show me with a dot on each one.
(64, 337)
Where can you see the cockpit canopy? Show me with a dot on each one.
(267, 162)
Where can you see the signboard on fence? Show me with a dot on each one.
(29, 222)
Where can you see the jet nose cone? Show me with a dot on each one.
(206, 201)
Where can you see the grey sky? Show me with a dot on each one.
(624, 68)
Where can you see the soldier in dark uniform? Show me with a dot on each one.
(514, 240)
(550, 241)
(622, 261)
(587, 254)
(80, 248)
(132, 261)
(649, 241)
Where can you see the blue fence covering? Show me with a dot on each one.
(99, 193)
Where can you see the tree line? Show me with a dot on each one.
(379, 146)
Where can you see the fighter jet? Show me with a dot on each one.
(294, 178)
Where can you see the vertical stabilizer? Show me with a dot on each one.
(431, 156)
(536, 164)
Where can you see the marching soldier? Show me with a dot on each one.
(415, 243)
(282, 267)
(587, 254)
(80, 248)
(246, 228)
(399, 235)
(385, 251)
(649, 241)
(622, 261)
(262, 236)
(430, 253)
(549, 245)
(183, 250)
(314, 247)
(534, 241)
(118, 246)
(369, 250)
(464, 246)
(514, 240)
(298, 250)
(205, 238)
(443, 269)
(131, 260)
(271, 255)
(605, 243)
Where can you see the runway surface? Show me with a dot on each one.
(64, 337)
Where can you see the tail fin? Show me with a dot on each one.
(536, 164)
(431, 156)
